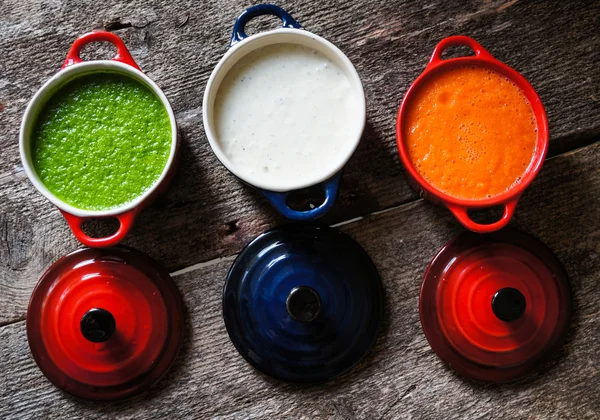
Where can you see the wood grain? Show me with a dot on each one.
(401, 378)
(207, 213)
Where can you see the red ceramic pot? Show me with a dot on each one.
(508, 199)
(73, 67)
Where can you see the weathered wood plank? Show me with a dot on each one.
(401, 377)
(207, 212)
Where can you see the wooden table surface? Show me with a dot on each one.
(207, 216)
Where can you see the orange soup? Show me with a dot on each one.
(470, 132)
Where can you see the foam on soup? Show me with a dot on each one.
(470, 132)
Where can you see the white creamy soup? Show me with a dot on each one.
(286, 113)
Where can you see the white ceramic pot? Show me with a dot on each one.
(327, 176)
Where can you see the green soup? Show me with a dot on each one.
(101, 141)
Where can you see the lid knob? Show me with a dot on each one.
(303, 304)
(97, 325)
(508, 304)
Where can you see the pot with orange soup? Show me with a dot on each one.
(472, 133)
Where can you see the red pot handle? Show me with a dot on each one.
(480, 52)
(463, 217)
(125, 222)
(98, 36)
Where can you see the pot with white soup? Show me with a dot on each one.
(284, 110)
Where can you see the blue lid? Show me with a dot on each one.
(303, 303)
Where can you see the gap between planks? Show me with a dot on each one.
(403, 207)
(209, 263)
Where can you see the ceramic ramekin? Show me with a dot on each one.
(510, 198)
(73, 68)
(290, 32)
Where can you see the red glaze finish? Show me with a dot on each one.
(148, 313)
(125, 223)
(99, 36)
(510, 198)
(456, 305)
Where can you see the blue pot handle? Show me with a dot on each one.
(278, 199)
(262, 9)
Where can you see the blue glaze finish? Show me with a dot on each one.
(278, 199)
(262, 9)
(260, 281)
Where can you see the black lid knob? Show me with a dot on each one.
(303, 304)
(97, 325)
(508, 304)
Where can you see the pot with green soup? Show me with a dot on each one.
(99, 139)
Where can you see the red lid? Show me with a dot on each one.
(104, 324)
(494, 306)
